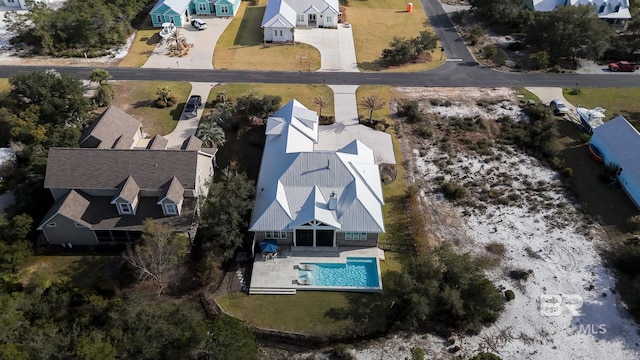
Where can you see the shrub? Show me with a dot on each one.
(490, 51)
(575, 91)
(411, 110)
(341, 351)
(520, 274)
(509, 295)
(417, 353)
(104, 95)
(516, 46)
(496, 248)
(633, 223)
(425, 131)
(486, 356)
(453, 191)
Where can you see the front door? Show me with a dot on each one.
(278, 35)
(312, 19)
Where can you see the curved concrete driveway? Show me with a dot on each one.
(332, 58)
(200, 56)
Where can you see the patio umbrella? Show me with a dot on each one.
(268, 246)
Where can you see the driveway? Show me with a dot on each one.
(200, 56)
(347, 128)
(188, 127)
(332, 58)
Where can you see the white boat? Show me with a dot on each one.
(590, 118)
(168, 29)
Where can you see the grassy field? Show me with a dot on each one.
(303, 93)
(137, 98)
(391, 19)
(617, 101)
(81, 271)
(241, 47)
(4, 86)
(146, 40)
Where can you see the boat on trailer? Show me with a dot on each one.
(168, 29)
(590, 118)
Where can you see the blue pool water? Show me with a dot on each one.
(357, 272)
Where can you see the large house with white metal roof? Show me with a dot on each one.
(281, 17)
(618, 143)
(310, 198)
(616, 12)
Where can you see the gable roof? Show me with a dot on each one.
(278, 13)
(191, 143)
(623, 142)
(320, 6)
(178, 6)
(173, 191)
(113, 129)
(157, 143)
(72, 206)
(612, 9)
(296, 182)
(129, 191)
(86, 168)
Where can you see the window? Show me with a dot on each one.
(224, 9)
(158, 18)
(52, 224)
(347, 236)
(601, 8)
(125, 208)
(329, 19)
(300, 18)
(283, 234)
(355, 236)
(363, 236)
(170, 209)
(202, 7)
(268, 234)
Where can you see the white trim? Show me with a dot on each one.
(172, 206)
(124, 208)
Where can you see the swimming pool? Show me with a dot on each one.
(356, 273)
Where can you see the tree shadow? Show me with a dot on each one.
(177, 112)
(154, 39)
(246, 35)
(143, 103)
(104, 274)
(371, 66)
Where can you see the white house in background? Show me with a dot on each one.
(615, 12)
(307, 198)
(22, 4)
(618, 142)
(281, 17)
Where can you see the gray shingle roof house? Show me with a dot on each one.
(113, 129)
(308, 198)
(103, 194)
(281, 17)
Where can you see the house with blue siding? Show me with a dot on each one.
(179, 12)
(618, 142)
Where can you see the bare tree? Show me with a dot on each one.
(321, 102)
(371, 103)
(159, 255)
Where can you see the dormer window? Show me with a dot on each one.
(170, 209)
(601, 8)
(125, 208)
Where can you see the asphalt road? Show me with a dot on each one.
(452, 43)
(450, 74)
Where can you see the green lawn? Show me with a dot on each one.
(81, 271)
(137, 98)
(146, 40)
(390, 19)
(303, 93)
(241, 47)
(617, 101)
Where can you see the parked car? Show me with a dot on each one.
(199, 24)
(193, 104)
(558, 107)
(622, 66)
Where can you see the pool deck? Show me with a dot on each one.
(280, 275)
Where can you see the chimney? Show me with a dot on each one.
(333, 201)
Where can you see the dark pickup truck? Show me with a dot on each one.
(194, 103)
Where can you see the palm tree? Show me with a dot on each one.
(222, 96)
(164, 93)
(212, 135)
(371, 103)
(177, 38)
(99, 76)
(321, 102)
